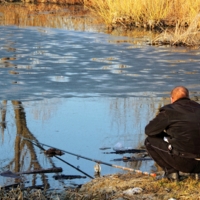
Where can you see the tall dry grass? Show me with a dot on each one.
(145, 11)
(180, 35)
(180, 15)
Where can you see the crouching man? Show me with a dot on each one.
(174, 135)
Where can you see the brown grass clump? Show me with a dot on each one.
(145, 13)
(189, 36)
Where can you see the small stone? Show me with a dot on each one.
(132, 191)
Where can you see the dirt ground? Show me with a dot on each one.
(136, 186)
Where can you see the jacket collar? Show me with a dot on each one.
(181, 99)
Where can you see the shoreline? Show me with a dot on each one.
(126, 186)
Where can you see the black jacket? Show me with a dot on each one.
(181, 121)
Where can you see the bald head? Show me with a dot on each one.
(178, 93)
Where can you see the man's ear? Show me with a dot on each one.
(172, 100)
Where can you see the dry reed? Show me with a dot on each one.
(189, 36)
(178, 15)
(144, 11)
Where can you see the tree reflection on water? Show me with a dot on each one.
(23, 149)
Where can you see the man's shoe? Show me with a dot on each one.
(173, 176)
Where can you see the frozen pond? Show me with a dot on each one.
(81, 91)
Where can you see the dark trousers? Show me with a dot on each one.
(158, 150)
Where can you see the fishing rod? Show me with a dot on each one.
(94, 160)
(126, 151)
(74, 167)
(57, 156)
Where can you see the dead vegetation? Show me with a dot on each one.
(180, 35)
(150, 14)
(28, 194)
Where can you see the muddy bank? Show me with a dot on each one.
(136, 186)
